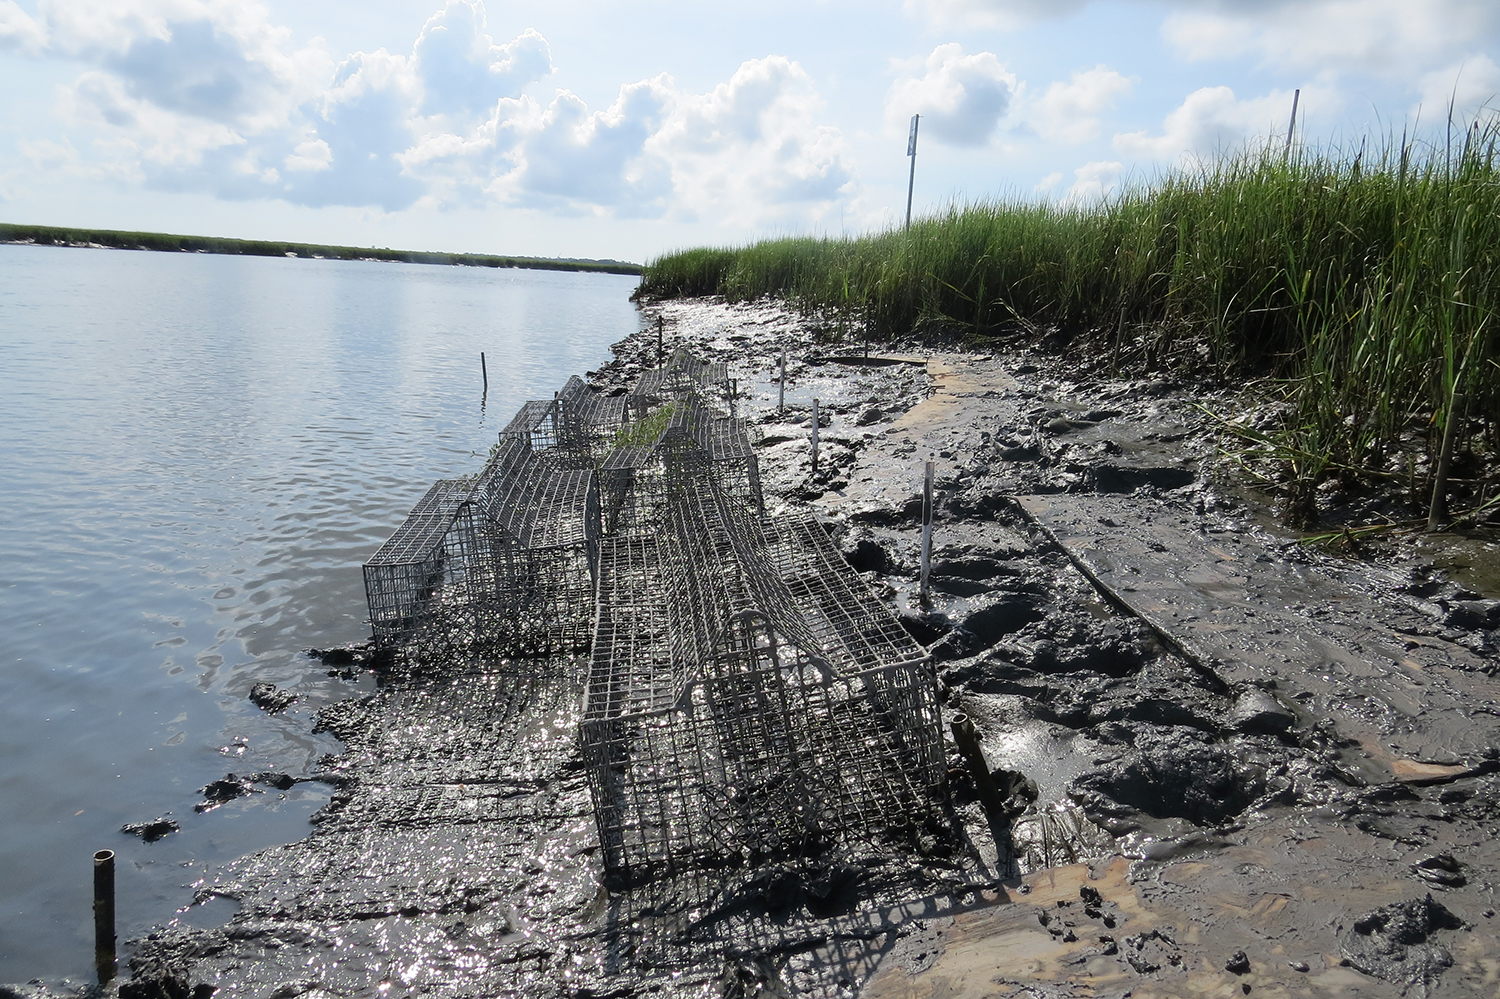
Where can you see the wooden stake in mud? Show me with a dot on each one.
(1437, 509)
(734, 394)
(781, 390)
(815, 438)
(926, 532)
(661, 359)
(104, 915)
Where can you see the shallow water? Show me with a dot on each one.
(198, 453)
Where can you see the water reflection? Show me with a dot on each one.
(199, 452)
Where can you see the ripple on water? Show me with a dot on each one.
(199, 453)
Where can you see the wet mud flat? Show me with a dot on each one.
(1227, 764)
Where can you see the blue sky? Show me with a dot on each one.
(620, 130)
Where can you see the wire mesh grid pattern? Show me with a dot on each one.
(578, 422)
(500, 566)
(636, 479)
(680, 376)
(730, 721)
(749, 706)
(406, 574)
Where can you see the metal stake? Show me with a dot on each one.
(926, 531)
(815, 438)
(781, 392)
(661, 360)
(911, 150)
(104, 915)
(1292, 129)
(485, 372)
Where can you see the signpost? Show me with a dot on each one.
(911, 150)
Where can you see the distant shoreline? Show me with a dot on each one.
(46, 235)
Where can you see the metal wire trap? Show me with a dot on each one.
(731, 721)
(668, 450)
(578, 422)
(499, 566)
(682, 375)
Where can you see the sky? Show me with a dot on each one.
(593, 129)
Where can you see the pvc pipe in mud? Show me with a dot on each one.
(815, 438)
(485, 372)
(926, 531)
(104, 915)
(966, 738)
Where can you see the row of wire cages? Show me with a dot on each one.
(502, 563)
(748, 700)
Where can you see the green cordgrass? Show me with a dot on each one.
(1364, 282)
(58, 236)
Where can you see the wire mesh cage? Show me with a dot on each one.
(684, 439)
(502, 563)
(680, 376)
(588, 421)
(749, 703)
(404, 578)
(733, 719)
(579, 423)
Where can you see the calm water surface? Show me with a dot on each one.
(197, 453)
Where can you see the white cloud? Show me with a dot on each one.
(581, 161)
(748, 152)
(1047, 183)
(461, 68)
(755, 141)
(18, 30)
(311, 155)
(204, 95)
(1212, 121)
(1392, 38)
(1406, 41)
(961, 97)
(1468, 87)
(1004, 14)
(1093, 182)
(1069, 112)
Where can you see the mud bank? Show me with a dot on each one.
(1233, 764)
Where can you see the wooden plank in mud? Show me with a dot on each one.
(1333, 640)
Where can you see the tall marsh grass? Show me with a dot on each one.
(1365, 282)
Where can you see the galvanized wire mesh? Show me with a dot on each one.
(578, 422)
(750, 706)
(501, 565)
(637, 478)
(405, 576)
(731, 720)
(680, 376)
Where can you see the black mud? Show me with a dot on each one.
(1268, 766)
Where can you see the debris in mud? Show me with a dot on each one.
(1176, 772)
(271, 699)
(151, 831)
(1441, 870)
(1395, 942)
(1258, 710)
(225, 789)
